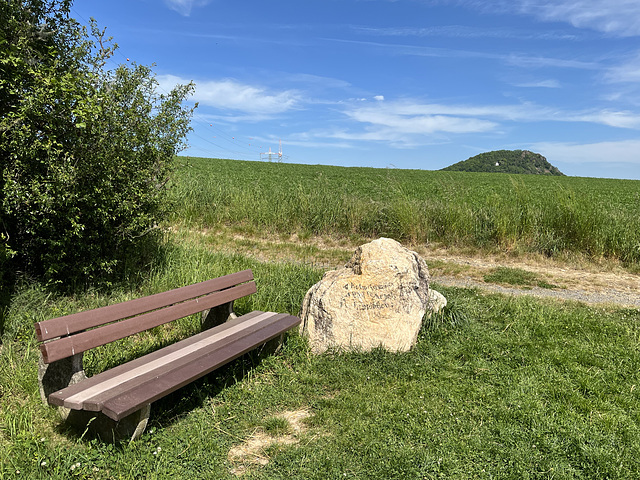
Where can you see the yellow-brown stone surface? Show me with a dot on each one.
(379, 298)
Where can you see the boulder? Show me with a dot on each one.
(379, 298)
(437, 302)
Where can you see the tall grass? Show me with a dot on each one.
(521, 213)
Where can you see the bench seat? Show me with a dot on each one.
(117, 402)
(124, 389)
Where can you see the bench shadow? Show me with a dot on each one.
(177, 405)
(133, 270)
(7, 290)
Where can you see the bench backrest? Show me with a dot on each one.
(79, 332)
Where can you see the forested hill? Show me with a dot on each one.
(507, 161)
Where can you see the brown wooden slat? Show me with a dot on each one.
(95, 402)
(170, 355)
(57, 327)
(57, 398)
(67, 346)
(144, 394)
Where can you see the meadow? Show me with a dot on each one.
(520, 214)
(496, 387)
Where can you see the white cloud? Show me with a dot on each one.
(318, 81)
(232, 95)
(625, 151)
(390, 136)
(184, 7)
(615, 17)
(527, 61)
(611, 118)
(619, 17)
(413, 123)
(627, 72)
(523, 112)
(469, 113)
(404, 124)
(517, 60)
(400, 118)
(462, 31)
(379, 98)
(540, 84)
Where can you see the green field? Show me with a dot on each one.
(496, 387)
(554, 216)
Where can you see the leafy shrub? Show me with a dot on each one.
(88, 150)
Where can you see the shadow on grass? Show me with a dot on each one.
(7, 290)
(133, 268)
(177, 405)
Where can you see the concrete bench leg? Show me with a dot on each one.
(99, 425)
(62, 373)
(217, 315)
(272, 347)
(58, 375)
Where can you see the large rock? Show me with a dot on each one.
(379, 298)
(437, 302)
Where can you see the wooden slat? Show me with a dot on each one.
(144, 394)
(67, 346)
(158, 364)
(267, 322)
(57, 398)
(57, 327)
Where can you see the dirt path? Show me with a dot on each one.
(582, 281)
(589, 283)
(604, 296)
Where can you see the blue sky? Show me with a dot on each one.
(396, 83)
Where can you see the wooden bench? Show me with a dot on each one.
(116, 403)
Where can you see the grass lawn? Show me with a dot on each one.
(516, 276)
(496, 387)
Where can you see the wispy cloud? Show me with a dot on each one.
(461, 31)
(615, 17)
(618, 17)
(626, 72)
(407, 109)
(404, 124)
(229, 94)
(423, 124)
(318, 81)
(353, 138)
(408, 123)
(611, 118)
(518, 60)
(625, 151)
(531, 61)
(184, 7)
(551, 83)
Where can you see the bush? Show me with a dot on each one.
(88, 150)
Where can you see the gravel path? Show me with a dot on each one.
(606, 296)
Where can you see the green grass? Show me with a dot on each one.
(496, 387)
(516, 276)
(558, 216)
(277, 426)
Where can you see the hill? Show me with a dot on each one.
(507, 161)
